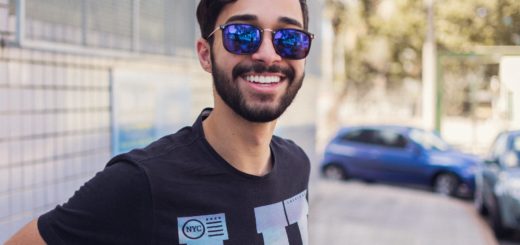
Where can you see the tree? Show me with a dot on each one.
(383, 38)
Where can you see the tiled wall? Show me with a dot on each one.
(54, 130)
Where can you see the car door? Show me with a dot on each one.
(510, 163)
(397, 161)
(357, 149)
(492, 169)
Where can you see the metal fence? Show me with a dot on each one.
(6, 22)
(162, 27)
(54, 130)
(55, 108)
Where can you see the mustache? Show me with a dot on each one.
(240, 69)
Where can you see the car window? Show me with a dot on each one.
(500, 146)
(366, 136)
(429, 140)
(386, 138)
(389, 138)
(516, 144)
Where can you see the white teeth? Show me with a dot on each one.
(263, 79)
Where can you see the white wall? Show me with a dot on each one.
(510, 77)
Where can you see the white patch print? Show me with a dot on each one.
(272, 219)
(271, 223)
(203, 230)
(297, 209)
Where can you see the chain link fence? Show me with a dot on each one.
(162, 27)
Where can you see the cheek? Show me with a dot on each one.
(299, 67)
(220, 59)
(225, 62)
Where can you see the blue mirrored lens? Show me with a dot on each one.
(291, 43)
(241, 39)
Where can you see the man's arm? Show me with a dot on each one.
(29, 234)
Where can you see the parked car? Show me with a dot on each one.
(399, 154)
(498, 184)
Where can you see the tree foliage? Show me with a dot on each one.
(383, 38)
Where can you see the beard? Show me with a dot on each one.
(230, 93)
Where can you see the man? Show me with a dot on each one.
(226, 179)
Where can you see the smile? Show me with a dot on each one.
(263, 79)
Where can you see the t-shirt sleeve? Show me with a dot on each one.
(114, 207)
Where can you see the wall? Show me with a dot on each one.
(510, 78)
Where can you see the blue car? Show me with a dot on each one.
(399, 154)
(498, 184)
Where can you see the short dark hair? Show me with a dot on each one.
(209, 10)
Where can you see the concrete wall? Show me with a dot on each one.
(510, 78)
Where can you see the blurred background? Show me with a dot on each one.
(84, 80)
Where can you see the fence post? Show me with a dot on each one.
(20, 22)
(135, 25)
(84, 22)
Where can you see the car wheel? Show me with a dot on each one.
(334, 172)
(446, 184)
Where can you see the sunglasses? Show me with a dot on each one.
(245, 39)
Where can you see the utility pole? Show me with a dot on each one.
(429, 73)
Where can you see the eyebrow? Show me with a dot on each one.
(243, 17)
(290, 21)
(250, 17)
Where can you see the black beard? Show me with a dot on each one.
(228, 90)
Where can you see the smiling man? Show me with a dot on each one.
(224, 180)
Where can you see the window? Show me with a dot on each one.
(500, 146)
(391, 139)
(516, 144)
(366, 136)
(386, 138)
(428, 140)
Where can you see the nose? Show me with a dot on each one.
(266, 53)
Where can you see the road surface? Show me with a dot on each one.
(352, 212)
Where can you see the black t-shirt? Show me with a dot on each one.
(178, 190)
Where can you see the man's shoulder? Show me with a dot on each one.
(162, 148)
(287, 146)
(284, 142)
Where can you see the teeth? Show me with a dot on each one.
(263, 79)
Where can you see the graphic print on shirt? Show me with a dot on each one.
(272, 219)
(203, 230)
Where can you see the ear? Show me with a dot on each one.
(203, 51)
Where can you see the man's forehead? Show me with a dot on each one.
(254, 18)
(275, 11)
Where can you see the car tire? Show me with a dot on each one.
(334, 172)
(446, 184)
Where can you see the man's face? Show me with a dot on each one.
(259, 86)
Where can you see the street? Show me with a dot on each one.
(353, 212)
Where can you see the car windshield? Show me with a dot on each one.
(428, 140)
(516, 144)
(511, 159)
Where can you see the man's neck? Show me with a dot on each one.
(243, 144)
